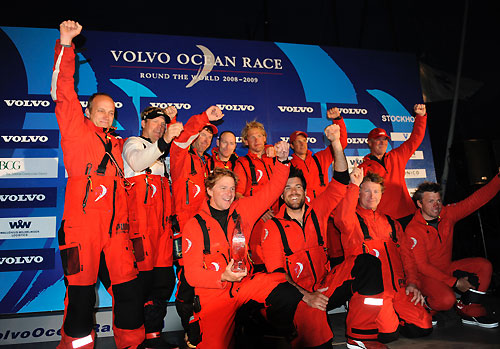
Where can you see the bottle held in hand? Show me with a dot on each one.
(238, 248)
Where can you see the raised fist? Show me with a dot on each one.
(356, 175)
(332, 132)
(173, 131)
(214, 113)
(282, 150)
(171, 111)
(420, 109)
(333, 113)
(69, 30)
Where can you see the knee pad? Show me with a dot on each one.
(163, 283)
(79, 319)
(388, 337)
(367, 274)
(340, 296)
(413, 331)
(128, 305)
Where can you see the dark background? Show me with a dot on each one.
(431, 30)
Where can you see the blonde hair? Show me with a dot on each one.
(250, 125)
(217, 174)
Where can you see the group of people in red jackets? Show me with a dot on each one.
(266, 228)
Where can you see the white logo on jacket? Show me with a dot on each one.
(101, 195)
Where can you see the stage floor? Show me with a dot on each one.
(449, 333)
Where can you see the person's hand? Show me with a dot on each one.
(420, 109)
(282, 150)
(463, 284)
(332, 132)
(267, 215)
(214, 113)
(68, 30)
(231, 276)
(356, 175)
(333, 113)
(171, 111)
(172, 131)
(316, 300)
(417, 295)
(270, 152)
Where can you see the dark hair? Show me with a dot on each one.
(226, 131)
(297, 173)
(373, 177)
(430, 187)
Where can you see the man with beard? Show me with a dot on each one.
(294, 244)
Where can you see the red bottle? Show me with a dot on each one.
(238, 248)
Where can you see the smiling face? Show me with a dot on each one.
(203, 141)
(378, 146)
(430, 205)
(101, 111)
(299, 146)
(370, 194)
(294, 193)
(222, 193)
(153, 128)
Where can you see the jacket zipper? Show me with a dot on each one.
(113, 214)
(390, 267)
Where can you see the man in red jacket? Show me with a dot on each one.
(149, 206)
(188, 169)
(364, 229)
(94, 233)
(396, 201)
(429, 236)
(223, 155)
(254, 170)
(316, 171)
(209, 255)
(294, 244)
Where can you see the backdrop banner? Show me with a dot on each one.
(285, 86)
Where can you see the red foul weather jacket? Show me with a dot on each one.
(381, 236)
(149, 203)
(305, 258)
(431, 247)
(188, 171)
(92, 181)
(215, 161)
(316, 172)
(204, 269)
(396, 202)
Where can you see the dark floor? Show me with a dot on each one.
(449, 333)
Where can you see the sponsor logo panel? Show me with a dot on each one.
(28, 168)
(28, 197)
(27, 227)
(415, 173)
(10, 139)
(34, 259)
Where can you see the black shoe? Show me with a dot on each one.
(481, 321)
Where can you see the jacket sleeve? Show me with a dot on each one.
(68, 109)
(272, 247)
(180, 146)
(326, 202)
(254, 206)
(192, 255)
(407, 258)
(416, 245)
(343, 131)
(408, 147)
(138, 155)
(239, 170)
(346, 220)
(479, 198)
